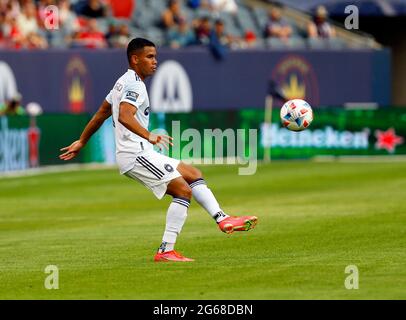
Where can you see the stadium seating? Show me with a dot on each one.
(248, 23)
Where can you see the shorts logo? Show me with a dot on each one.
(168, 167)
(146, 112)
(131, 95)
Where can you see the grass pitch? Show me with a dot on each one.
(101, 230)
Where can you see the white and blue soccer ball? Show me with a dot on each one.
(296, 115)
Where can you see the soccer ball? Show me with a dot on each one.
(296, 115)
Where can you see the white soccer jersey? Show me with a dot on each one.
(129, 88)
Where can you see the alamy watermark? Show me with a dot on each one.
(215, 146)
(352, 280)
(352, 20)
(51, 281)
(51, 18)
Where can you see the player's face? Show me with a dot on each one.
(147, 62)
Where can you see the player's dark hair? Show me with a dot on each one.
(136, 45)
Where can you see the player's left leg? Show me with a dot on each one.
(175, 219)
(205, 197)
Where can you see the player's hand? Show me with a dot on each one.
(71, 151)
(160, 140)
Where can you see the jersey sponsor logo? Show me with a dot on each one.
(171, 90)
(131, 95)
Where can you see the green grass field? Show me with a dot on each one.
(101, 230)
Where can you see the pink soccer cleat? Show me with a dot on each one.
(171, 256)
(244, 223)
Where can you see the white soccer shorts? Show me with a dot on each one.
(155, 171)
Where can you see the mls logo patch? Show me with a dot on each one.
(118, 86)
(131, 95)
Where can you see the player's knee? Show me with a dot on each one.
(196, 173)
(184, 192)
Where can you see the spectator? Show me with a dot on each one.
(2, 23)
(25, 33)
(90, 36)
(111, 32)
(12, 34)
(122, 8)
(218, 6)
(35, 41)
(202, 30)
(27, 20)
(10, 8)
(219, 40)
(195, 4)
(250, 39)
(68, 21)
(277, 27)
(93, 9)
(181, 36)
(9, 28)
(172, 15)
(320, 27)
(43, 11)
(120, 36)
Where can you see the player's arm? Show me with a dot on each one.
(94, 124)
(126, 118)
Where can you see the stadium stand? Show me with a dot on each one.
(121, 19)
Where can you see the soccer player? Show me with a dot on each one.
(128, 102)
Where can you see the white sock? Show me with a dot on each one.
(175, 218)
(207, 200)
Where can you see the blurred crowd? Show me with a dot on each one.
(208, 29)
(30, 24)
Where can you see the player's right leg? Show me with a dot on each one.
(205, 197)
(175, 219)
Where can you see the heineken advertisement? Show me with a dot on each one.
(338, 132)
(203, 136)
